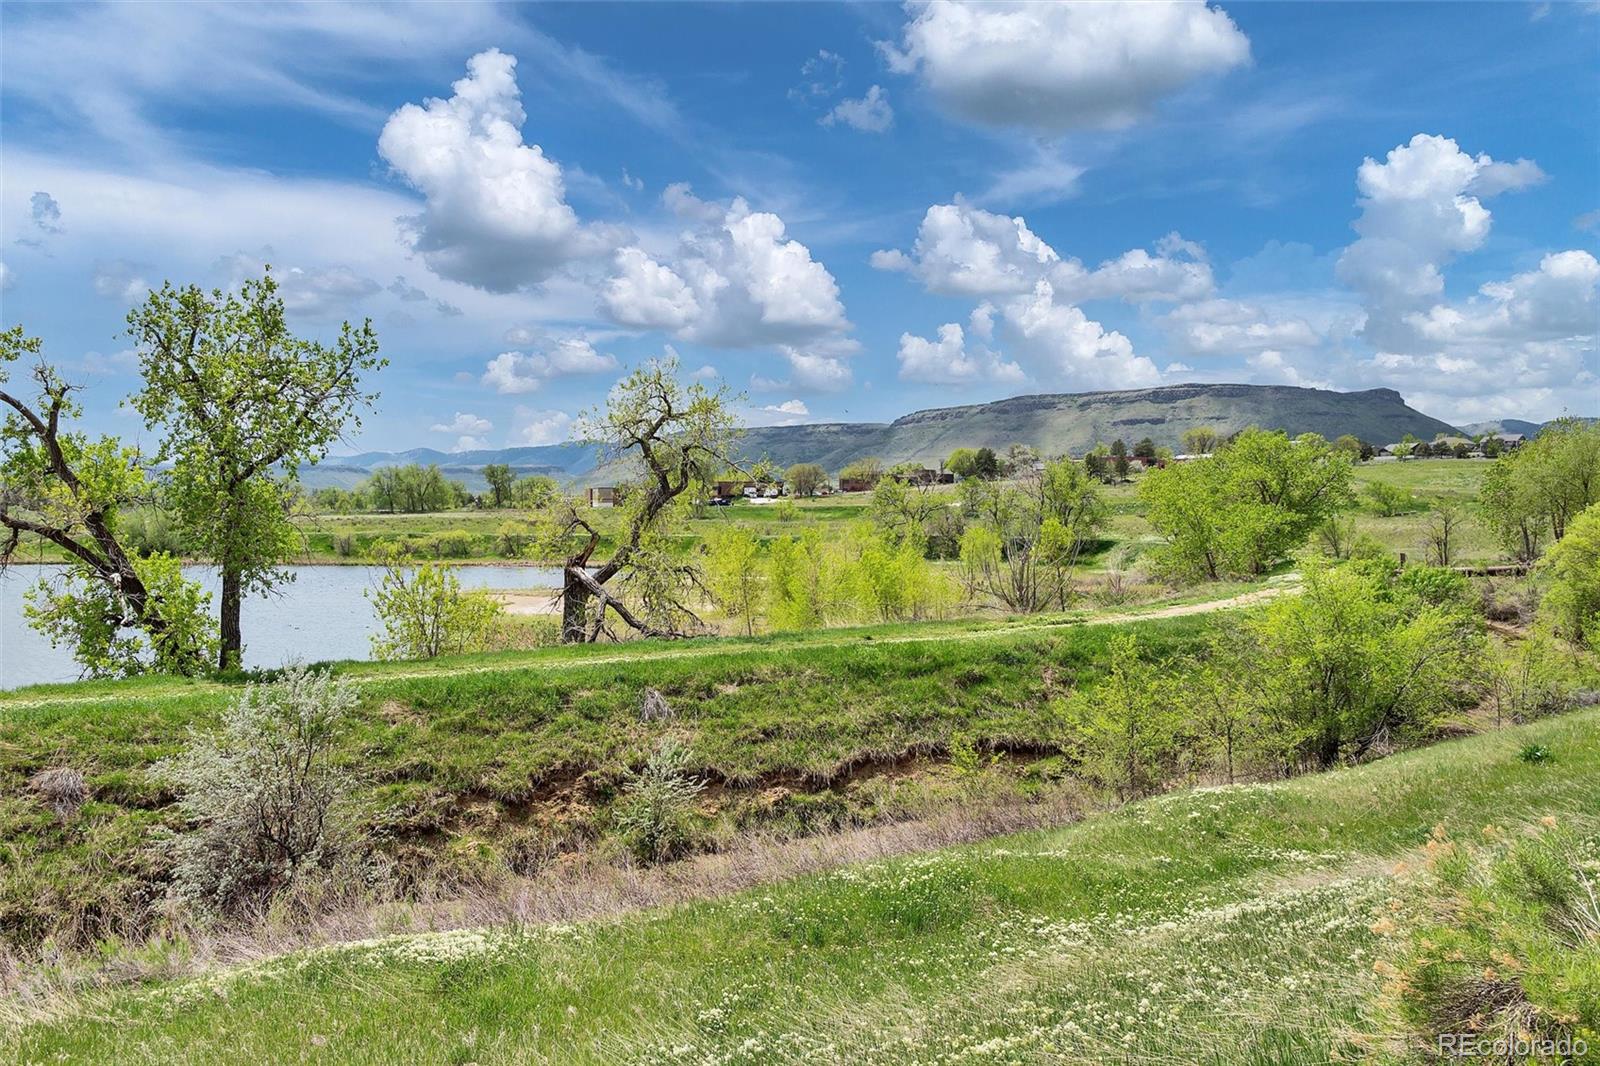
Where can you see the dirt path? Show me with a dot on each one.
(692, 649)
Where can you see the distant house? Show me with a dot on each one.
(1451, 442)
(854, 484)
(920, 476)
(1510, 441)
(733, 488)
(603, 496)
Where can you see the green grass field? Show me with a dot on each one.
(1429, 481)
(512, 753)
(480, 536)
(1223, 926)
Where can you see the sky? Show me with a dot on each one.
(845, 212)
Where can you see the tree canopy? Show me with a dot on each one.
(1247, 506)
(122, 614)
(240, 403)
(675, 435)
(804, 479)
(1023, 538)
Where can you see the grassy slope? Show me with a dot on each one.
(1221, 926)
(482, 747)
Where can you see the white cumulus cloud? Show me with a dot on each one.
(950, 360)
(1066, 346)
(514, 373)
(496, 214)
(541, 427)
(962, 250)
(120, 279)
(1420, 208)
(735, 280)
(1050, 67)
(1554, 302)
(464, 423)
(316, 292)
(1232, 327)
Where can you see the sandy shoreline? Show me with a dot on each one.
(529, 602)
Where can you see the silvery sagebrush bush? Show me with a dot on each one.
(265, 805)
(655, 815)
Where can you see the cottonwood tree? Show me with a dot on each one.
(1245, 507)
(677, 436)
(241, 403)
(1443, 533)
(868, 468)
(1024, 538)
(1571, 604)
(804, 479)
(735, 575)
(1360, 660)
(500, 479)
(1535, 491)
(1200, 440)
(900, 510)
(121, 613)
(962, 462)
(412, 489)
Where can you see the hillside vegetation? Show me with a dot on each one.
(475, 766)
(1250, 924)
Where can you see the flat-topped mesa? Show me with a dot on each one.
(1052, 423)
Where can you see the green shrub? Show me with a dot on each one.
(1572, 566)
(1437, 586)
(266, 808)
(450, 544)
(655, 816)
(1389, 499)
(513, 539)
(425, 612)
(1530, 679)
(1125, 728)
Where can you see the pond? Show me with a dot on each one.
(322, 614)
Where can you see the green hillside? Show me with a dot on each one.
(1247, 924)
(1073, 423)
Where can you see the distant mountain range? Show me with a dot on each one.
(1067, 423)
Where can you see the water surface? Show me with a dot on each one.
(322, 614)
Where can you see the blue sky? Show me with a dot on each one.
(847, 212)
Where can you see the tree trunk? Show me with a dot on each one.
(574, 608)
(232, 638)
